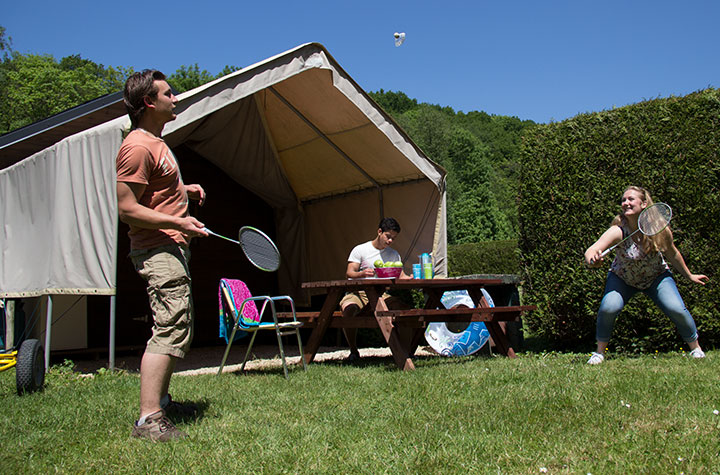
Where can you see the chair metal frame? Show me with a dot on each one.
(281, 328)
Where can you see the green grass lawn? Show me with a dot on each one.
(534, 414)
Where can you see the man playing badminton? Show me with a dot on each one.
(361, 265)
(639, 266)
(153, 201)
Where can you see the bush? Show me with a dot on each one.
(491, 257)
(572, 176)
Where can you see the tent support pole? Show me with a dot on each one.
(329, 142)
(381, 203)
(48, 325)
(9, 324)
(111, 346)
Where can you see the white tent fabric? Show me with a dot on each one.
(58, 210)
(295, 130)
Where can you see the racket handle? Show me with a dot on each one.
(603, 254)
(221, 237)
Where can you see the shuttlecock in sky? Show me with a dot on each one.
(399, 38)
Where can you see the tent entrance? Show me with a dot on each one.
(228, 207)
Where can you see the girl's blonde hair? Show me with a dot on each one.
(657, 243)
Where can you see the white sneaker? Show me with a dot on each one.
(596, 358)
(697, 353)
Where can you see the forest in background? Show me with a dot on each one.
(480, 151)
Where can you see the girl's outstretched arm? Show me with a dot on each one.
(676, 260)
(609, 238)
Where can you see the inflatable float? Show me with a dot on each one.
(449, 343)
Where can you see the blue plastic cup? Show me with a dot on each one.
(417, 271)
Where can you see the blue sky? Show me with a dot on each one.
(539, 60)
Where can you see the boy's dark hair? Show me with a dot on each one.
(137, 87)
(389, 224)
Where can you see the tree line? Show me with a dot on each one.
(37, 86)
(480, 151)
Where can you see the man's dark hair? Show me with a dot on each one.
(389, 224)
(137, 87)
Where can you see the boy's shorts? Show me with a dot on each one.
(361, 300)
(169, 288)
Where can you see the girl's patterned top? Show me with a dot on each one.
(633, 266)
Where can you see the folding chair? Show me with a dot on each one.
(247, 318)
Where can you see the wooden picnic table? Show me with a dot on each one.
(403, 329)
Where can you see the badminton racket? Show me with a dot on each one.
(259, 249)
(651, 221)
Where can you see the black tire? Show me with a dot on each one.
(30, 367)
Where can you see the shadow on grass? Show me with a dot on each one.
(201, 405)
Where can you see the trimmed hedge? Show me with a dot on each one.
(490, 257)
(573, 174)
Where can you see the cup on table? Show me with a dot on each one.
(417, 271)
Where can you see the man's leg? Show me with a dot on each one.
(349, 311)
(155, 373)
(166, 272)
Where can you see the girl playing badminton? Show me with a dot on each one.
(639, 266)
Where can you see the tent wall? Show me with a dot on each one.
(59, 214)
(335, 226)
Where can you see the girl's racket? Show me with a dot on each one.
(651, 221)
(257, 246)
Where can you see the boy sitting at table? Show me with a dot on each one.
(361, 264)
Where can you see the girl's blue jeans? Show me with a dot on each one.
(663, 292)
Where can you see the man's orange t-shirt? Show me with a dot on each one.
(147, 160)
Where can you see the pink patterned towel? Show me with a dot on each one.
(238, 292)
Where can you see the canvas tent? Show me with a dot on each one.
(295, 130)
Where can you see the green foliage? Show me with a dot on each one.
(491, 257)
(476, 216)
(480, 153)
(190, 77)
(5, 43)
(573, 174)
(35, 87)
(394, 103)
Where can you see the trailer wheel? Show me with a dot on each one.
(30, 368)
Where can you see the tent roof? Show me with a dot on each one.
(318, 120)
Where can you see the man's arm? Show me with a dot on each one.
(132, 212)
(353, 271)
(196, 193)
(403, 275)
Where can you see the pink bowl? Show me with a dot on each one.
(388, 272)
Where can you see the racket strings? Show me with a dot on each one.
(259, 250)
(654, 219)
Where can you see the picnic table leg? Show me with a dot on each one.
(323, 322)
(415, 335)
(496, 329)
(398, 344)
(500, 338)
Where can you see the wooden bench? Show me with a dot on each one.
(417, 317)
(309, 319)
(422, 316)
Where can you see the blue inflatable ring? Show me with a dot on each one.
(467, 342)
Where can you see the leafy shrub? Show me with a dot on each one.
(572, 176)
(491, 257)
